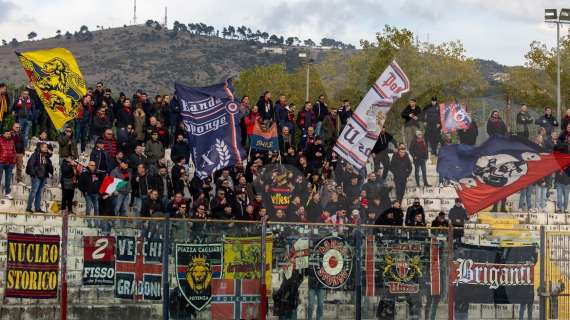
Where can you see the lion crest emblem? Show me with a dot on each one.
(197, 265)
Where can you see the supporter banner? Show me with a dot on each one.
(235, 299)
(496, 169)
(197, 265)
(242, 258)
(280, 197)
(493, 275)
(32, 266)
(210, 118)
(98, 260)
(55, 75)
(361, 132)
(401, 267)
(138, 269)
(332, 257)
(264, 139)
(453, 117)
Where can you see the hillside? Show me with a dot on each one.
(134, 57)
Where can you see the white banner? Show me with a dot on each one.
(362, 130)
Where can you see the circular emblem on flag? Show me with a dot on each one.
(232, 107)
(502, 169)
(332, 259)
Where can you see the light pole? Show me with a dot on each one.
(551, 16)
(304, 56)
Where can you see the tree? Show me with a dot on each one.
(149, 23)
(14, 43)
(328, 42)
(265, 36)
(241, 31)
(68, 35)
(58, 34)
(273, 39)
(289, 41)
(231, 31)
(4, 42)
(32, 35)
(84, 34)
(225, 32)
(309, 43)
(535, 84)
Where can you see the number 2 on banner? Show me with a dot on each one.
(99, 253)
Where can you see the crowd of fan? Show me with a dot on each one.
(129, 137)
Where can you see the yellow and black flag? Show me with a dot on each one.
(57, 80)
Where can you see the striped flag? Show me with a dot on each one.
(362, 130)
(110, 185)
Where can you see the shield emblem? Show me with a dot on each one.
(402, 268)
(196, 266)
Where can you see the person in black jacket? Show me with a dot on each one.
(180, 149)
(127, 139)
(89, 183)
(164, 186)
(220, 207)
(321, 110)
(401, 167)
(496, 125)
(523, 120)
(380, 152)
(411, 212)
(68, 182)
(266, 108)
(431, 117)
(419, 152)
(286, 299)
(411, 116)
(101, 158)
(469, 136)
(547, 121)
(125, 115)
(141, 185)
(457, 217)
(393, 216)
(39, 168)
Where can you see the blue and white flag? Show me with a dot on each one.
(210, 116)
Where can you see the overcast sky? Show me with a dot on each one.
(490, 29)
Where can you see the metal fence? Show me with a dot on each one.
(160, 268)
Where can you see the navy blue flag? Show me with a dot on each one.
(498, 168)
(210, 116)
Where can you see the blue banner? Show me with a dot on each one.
(210, 118)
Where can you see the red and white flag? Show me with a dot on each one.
(362, 130)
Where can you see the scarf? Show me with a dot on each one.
(3, 106)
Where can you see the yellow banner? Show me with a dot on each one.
(242, 258)
(55, 75)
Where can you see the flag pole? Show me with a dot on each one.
(63, 292)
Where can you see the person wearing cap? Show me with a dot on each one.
(67, 144)
(100, 156)
(430, 115)
(412, 211)
(411, 116)
(7, 160)
(419, 152)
